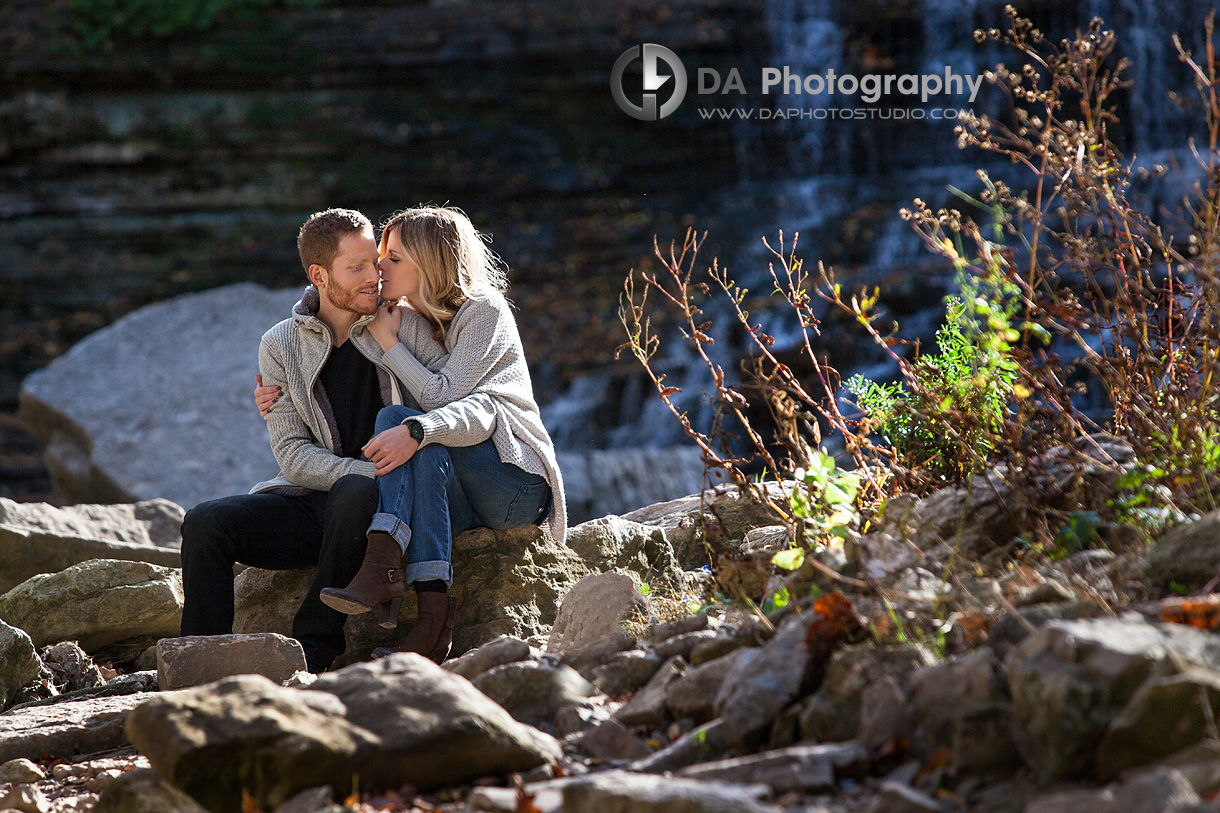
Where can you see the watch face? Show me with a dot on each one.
(417, 431)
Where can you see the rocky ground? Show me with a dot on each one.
(600, 677)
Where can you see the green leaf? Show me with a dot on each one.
(789, 559)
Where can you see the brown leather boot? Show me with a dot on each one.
(377, 585)
(432, 634)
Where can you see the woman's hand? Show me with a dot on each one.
(384, 327)
(390, 449)
(265, 397)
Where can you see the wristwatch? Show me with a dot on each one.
(417, 430)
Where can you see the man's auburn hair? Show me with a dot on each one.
(319, 239)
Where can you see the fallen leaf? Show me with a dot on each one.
(1202, 612)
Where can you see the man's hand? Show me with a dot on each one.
(390, 449)
(384, 327)
(265, 397)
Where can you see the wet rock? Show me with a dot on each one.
(533, 693)
(626, 672)
(616, 544)
(761, 684)
(647, 707)
(507, 583)
(19, 663)
(40, 538)
(617, 791)
(496, 652)
(434, 729)
(1070, 679)
(197, 659)
(611, 740)
(803, 767)
(595, 608)
(20, 771)
(66, 729)
(97, 603)
(693, 694)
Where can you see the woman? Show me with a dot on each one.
(476, 452)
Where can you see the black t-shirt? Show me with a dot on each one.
(351, 385)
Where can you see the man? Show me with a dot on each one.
(318, 510)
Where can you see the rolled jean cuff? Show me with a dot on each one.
(429, 571)
(395, 527)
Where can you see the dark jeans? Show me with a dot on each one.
(276, 532)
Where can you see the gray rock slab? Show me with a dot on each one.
(693, 695)
(698, 745)
(97, 603)
(532, 692)
(66, 729)
(496, 652)
(626, 672)
(433, 728)
(611, 740)
(40, 538)
(647, 707)
(197, 659)
(143, 791)
(801, 767)
(623, 791)
(761, 684)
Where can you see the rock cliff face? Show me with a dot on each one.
(168, 166)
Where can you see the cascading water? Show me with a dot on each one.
(835, 168)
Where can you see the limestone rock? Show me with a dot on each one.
(433, 728)
(728, 517)
(761, 684)
(1188, 553)
(693, 695)
(1070, 679)
(24, 799)
(595, 608)
(247, 732)
(97, 603)
(611, 740)
(619, 791)
(19, 771)
(71, 668)
(833, 712)
(496, 652)
(193, 434)
(626, 672)
(143, 791)
(196, 659)
(19, 663)
(533, 693)
(647, 706)
(506, 583)
(40, 538)
(614, 543)
(66, 729)
(803, 767)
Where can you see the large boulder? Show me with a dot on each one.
(247, 732)
(97, 603)
(614, 543)
(506, 583)
(40, 538)
(127, 415)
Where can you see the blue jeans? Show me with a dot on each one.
(442, 491)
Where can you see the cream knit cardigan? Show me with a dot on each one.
(477, 385)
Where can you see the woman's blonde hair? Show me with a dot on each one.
(455, 263)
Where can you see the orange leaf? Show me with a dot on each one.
(1202, 612)
(248, 804)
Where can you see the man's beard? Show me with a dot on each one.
(349, 300)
